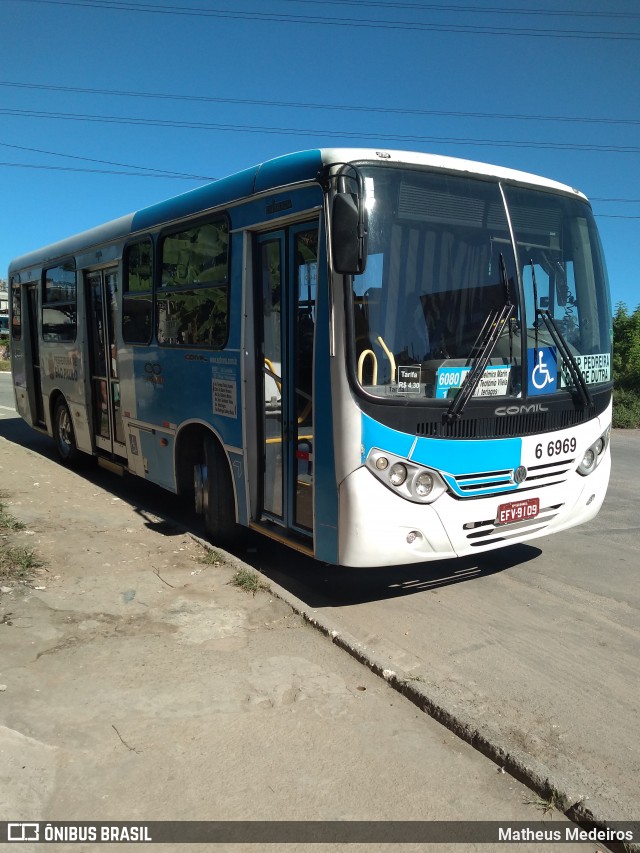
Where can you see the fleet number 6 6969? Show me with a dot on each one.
(558, 447)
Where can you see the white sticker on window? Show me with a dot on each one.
(494, 381)
(595, 368)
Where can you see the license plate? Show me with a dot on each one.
(518, 511)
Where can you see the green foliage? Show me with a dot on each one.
(626, 367)
(626, 409)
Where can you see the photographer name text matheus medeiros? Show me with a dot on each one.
(566, 833)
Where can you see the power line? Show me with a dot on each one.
(339, 134)
(493, 10)
(153, 172)
(619, 200)
(320, 106)
(94, 171)
(314, 20)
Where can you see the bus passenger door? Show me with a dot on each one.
(286, 267)
(102, 315)
(37, 403)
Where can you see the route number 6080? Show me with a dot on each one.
(557, 448)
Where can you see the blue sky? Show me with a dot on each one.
(550, 88)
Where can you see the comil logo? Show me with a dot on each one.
(23, 832)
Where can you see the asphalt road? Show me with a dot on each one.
(537, 646)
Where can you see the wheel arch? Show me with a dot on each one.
(189, 451)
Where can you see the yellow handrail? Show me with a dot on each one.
(389, 356)
(363, 355)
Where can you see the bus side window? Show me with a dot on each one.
(193, 298)
(16, 311)
(137, 295)
(59, 311)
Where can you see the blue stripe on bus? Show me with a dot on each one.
(458, 456)
(452, 457)
(374, 434)
(196, 201)
(290, 169)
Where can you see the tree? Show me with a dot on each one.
(626, 367)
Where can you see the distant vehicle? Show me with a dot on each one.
(375, 357)
(4, 323)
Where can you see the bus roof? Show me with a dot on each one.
(288, 169)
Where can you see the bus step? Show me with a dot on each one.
(111, 466)
(287, 537)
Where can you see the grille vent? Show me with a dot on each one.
(504, 427)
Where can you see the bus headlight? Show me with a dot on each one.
(594, 454)
(423, 484)
(588, 462)
(406, 479)
(397, 474)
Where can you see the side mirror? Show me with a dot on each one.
(349, 234)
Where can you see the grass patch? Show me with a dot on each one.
(210, 557)
(18, 564)
(248, 581)
(7, 521)
(5, 364)
(547, 804)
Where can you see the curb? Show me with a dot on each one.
(535, 775)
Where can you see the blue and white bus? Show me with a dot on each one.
(376, 357)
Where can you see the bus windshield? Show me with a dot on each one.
(442, 266)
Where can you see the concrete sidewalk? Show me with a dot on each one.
(141, 684)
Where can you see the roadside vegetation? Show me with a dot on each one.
(249, 581)
(626, 367)
(17, 563)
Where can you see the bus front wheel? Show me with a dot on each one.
(64, 434)
(214, 494)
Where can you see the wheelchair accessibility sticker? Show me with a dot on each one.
(542, 369)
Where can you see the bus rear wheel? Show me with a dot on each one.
(64, 434)
(214, 494)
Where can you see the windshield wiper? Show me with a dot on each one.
(489, 335)
(563, 347)
(561, 343)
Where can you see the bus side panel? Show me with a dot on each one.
(326, 492)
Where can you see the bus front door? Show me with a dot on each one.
(286, 306)
(105, 385)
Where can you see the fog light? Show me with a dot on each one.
(381, 463)
(413, 535)
(591, 499)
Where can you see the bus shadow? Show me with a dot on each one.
(160, 511)
(320, 585)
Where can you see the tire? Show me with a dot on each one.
(219, 508)
(64, 435)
